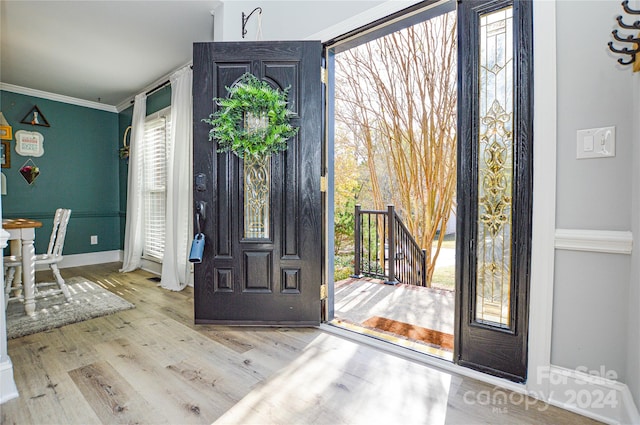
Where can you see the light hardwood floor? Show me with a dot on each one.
(152, 365)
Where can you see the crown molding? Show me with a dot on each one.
(57, 97)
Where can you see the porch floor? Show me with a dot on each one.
(361, 303)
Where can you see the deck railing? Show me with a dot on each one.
(385, 249)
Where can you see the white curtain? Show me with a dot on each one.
(175, 271)
(134, 229)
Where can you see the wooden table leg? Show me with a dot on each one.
(28, 270)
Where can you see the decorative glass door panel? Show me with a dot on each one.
(254, 123)
(257, 183)
(495, 169)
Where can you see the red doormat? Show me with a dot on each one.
(416, 333)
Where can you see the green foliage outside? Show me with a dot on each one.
(343, 266)
(344, 223)
(347, 190)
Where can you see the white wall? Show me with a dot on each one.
(284, 20)
(595, 314)
(633, 352)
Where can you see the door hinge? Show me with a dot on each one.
(323, 292)
(323, 184)
(324, 75)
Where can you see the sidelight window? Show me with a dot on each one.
(495, 167)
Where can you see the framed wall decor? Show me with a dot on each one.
(5, 132)
(29, 171)
(5, 155)
(29, 143)
(35, 117)
(5, 129)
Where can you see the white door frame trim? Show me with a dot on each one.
(544, 194)
(544, 185)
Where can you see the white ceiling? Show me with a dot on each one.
(99, 51)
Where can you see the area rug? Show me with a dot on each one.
(416, 333)
(89, 300)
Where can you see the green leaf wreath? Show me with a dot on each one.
(249, 95)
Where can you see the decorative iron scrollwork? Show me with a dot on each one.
(634, 50)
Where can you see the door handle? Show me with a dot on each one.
(201, 209)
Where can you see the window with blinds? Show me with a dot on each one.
(154, 179)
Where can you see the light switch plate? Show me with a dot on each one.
(596, 143)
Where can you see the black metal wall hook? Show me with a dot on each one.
(635, 25)
(625, 51)
(627, 9)
(245, 18)
(634, 50)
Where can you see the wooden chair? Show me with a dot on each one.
(51, 258)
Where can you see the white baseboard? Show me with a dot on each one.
(8, 390)
(151, 266)
(79, 260)
(590, 394)
(631, 410)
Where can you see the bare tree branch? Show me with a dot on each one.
(397, 97)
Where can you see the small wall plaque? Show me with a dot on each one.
(29, 143)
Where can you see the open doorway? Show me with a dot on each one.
(394, 112)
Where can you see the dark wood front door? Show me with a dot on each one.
(495, 169)
(272, 277)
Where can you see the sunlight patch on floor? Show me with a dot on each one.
(339, 381)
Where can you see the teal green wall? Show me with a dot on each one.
(159, 100)
(79, 170)
(124, 120)
(155, 102)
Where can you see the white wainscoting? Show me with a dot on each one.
(592, 394)
(608, 241)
